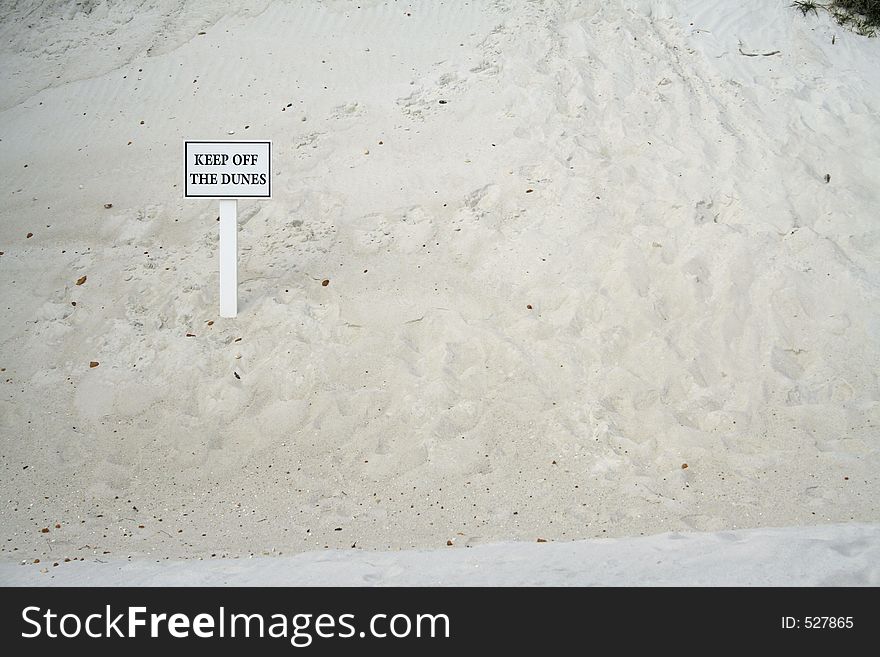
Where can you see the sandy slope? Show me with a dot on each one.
(825, 555)
(699, 294)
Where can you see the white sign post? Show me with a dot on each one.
(228, 257)
(228, 171)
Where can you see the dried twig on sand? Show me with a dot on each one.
(758, 54)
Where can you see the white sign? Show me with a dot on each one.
(227, 169)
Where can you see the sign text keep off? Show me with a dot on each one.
(228, 169)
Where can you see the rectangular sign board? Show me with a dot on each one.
(227, 169)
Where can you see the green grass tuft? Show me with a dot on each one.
(868, 9)
(862, 16)
(806, 6)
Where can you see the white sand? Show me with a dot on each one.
(699, 293)
(827, 555)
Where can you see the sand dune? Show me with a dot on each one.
(587, 277)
